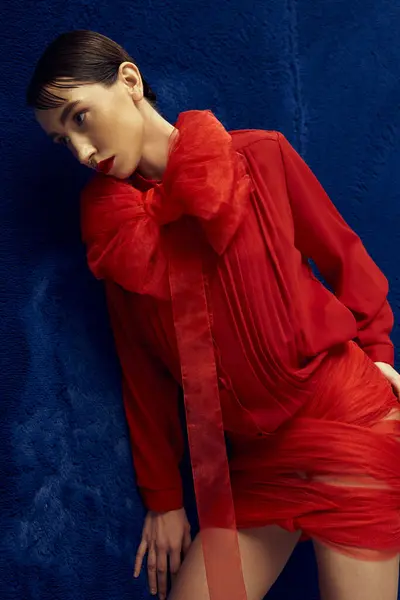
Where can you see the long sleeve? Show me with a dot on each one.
(321, 234)
(151, 405)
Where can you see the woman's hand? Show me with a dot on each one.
(391, 375)
(165, 537)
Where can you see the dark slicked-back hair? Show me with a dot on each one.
(73, 59)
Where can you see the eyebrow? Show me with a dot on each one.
(64, 115)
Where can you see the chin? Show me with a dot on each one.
(120, 176)
(124, 173)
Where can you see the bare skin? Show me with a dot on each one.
(111, 121)
(118, 122)
(165, 538)
(342, 577)
(265, 552)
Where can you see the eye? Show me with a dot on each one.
(63, 141)
(79, 118)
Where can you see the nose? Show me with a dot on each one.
(86, 158)
(85, 154)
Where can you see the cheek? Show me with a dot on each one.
(131, 122)
(122, 131)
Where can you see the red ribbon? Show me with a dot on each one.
(204, 421)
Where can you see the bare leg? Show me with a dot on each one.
(342, 577)
(264, 553)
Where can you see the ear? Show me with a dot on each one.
(129, 76)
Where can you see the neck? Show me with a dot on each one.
(157, 136)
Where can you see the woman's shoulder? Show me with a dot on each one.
(245, 138)
(100, 186)
(104, 196)
(107, 203)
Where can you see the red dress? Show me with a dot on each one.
(209, 286)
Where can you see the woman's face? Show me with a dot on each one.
(99, 123)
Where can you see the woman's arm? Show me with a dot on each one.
(151, 405)
(322, 235)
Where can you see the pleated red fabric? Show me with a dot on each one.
(210, 288)
(332, 471)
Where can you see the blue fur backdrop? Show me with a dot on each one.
(325, 73)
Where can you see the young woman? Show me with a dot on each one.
(203, 239)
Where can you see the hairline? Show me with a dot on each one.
(69, 84)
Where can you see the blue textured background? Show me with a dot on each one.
(327, 75)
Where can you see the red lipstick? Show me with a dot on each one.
(105, 166)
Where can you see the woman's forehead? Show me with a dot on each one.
(52, 117)
(66, 100)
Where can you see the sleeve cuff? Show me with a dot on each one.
(162, 500)
(381, 353)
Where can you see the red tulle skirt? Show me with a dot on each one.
(333, 470)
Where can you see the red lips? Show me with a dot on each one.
(105, 166)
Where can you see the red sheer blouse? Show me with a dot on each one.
(220, 293)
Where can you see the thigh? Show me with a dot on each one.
(264, 553)
(343, 577)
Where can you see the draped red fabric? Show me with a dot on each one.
(207, 274)
(220, 204)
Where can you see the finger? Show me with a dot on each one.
(162, 571)
(174, 563)
(152, 568)
(396, 384)
(187, 541)
(139, 558)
